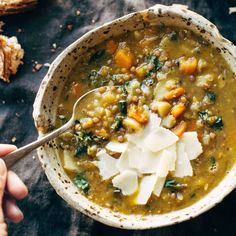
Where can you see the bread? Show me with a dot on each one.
(16, 6)
(11, 55)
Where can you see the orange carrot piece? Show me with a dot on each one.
(76, 89)
(111, 46)
(188, 66)
(138, 113)
(124, 58)
(175, 93)
(178, 110)
(180, 128)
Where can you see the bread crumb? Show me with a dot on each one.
(232, 10)
(11, 55)
(13, 139)
(69, 27)
(77, 12)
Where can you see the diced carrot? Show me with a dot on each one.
(180, 128)
(111, 46)
(76, 89)
(175, 93)
(178, 110)
(188, 66)
(124, 58)
(141, 71)
(138, 113)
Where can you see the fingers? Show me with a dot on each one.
(3, 229)
(15, 187)
(11, 210)
(3, 178)
(6, 148)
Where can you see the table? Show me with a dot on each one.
(44, 33)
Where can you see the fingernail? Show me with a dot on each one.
(2, 167)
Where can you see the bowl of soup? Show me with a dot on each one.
(155, 144)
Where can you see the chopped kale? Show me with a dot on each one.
(84, 140)
(173, 36)
(203, 115)
(117, 123)
(148, 82)
(211, 96)
(81, 182)
(123, 107)
(80, 149)
(97, 55)
(154, 61)
(218, 123)
(116, 77)
(124, 92)
(173, 185)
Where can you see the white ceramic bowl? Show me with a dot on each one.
(46, 103)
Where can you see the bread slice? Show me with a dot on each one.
(11, 55)
(16, 6)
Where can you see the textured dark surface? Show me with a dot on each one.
(45, 212)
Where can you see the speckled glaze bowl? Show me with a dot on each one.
(46, 103)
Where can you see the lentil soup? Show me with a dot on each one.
(158, 74)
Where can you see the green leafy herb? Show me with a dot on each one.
(97, 55)
(123, 107)
(203, 115)
(211, 96)
(96, 80)
(80, 149)
(117, 123)
(81, 182)
(154, 61)
(173, 185)
(173, 36)
(192, 195)
(218, 123)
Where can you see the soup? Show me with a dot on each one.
(161, 135)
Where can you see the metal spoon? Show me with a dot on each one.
(15, 156)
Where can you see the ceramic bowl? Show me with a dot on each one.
(46, 103)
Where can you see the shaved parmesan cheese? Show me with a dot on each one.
(159, 185)
(149, 162)
(172, 150)
(136, 139)
(123, 162)
(183, 166)
(160, 139)
(116, 146)
(193, 147)
(135, 157)
(127, 182)
(153, 123)
(107, 165)
(146, 187)
(166, 162)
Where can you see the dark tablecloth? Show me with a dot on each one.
(44, 33)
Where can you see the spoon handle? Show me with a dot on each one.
(15, 156)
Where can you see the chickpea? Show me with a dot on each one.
(102, 89)
(120, 139)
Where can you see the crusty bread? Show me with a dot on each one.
(11, 55)
(16, 6)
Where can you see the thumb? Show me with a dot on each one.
(3, 178)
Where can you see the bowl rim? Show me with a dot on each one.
(134, 221)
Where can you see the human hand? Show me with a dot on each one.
(11, 189)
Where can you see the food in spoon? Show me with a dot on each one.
(161, 135)
(11, 55)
